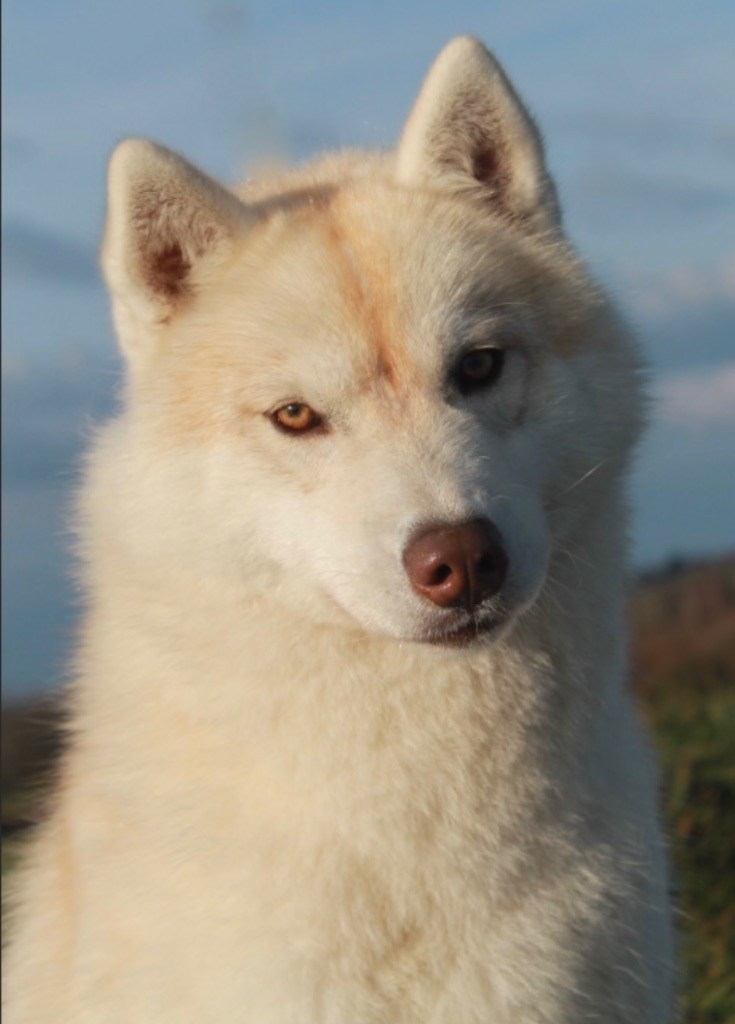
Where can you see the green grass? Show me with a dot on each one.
(693, 718)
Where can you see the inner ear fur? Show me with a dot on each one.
(469, 132)
(169, 228)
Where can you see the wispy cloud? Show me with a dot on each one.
(697, 286)
(30, 251)
(46, 414)
(652, 130)
(698, 400)
(625, 191)
(17, 145)
(682, 287)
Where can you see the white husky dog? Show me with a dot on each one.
(350, 738)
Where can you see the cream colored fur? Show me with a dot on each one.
(281, 802)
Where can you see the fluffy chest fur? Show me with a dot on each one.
(352, 833)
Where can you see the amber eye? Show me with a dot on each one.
(479, 368)
(296, 418)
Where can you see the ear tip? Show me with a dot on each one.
(465, 49)
(133, 150)
(463, 43)
(133, 157)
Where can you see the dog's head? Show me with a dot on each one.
(384, 384)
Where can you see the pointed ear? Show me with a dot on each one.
(169, 228)
(469, 132)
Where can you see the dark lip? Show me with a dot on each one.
(465, 635)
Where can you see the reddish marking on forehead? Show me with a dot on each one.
(370, 290)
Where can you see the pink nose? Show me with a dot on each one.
(456, 566)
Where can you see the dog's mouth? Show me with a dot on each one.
(465, 634)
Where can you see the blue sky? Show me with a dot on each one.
(636, 102)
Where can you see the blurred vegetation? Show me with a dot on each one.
(683, 647)
(683, 656)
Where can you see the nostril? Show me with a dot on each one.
(440, 574)
(485, 564)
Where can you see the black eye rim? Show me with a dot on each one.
(466, 384)
(317, 425)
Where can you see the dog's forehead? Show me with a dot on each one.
(390, 283)
(382, 277)
(369, 288)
